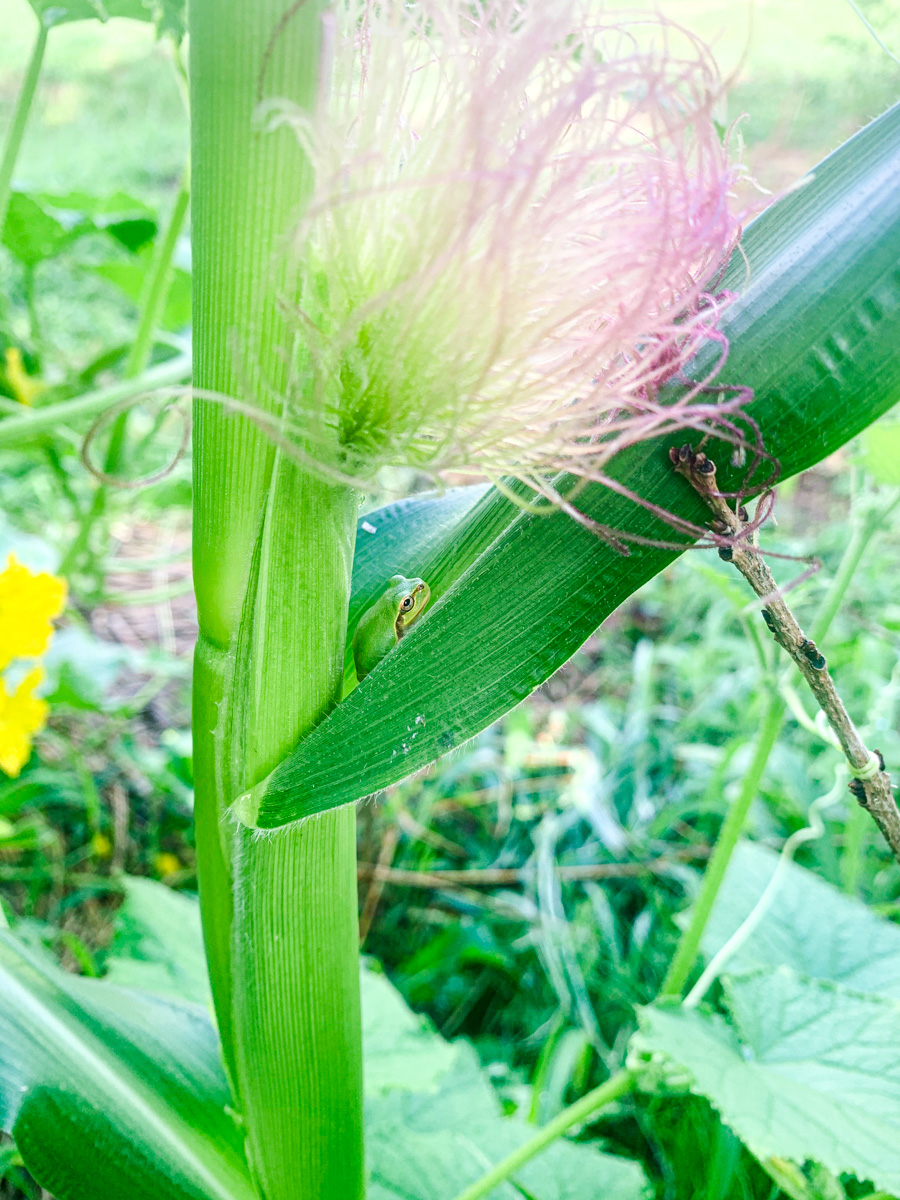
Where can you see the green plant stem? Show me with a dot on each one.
(20, 117)
(618, 1085)
(25, 425)
(689, 943)
(153, 302)
(295, 968)
(169, 374)
(272, 557)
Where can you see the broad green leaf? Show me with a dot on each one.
(158, 945)
(39, 226)
(130, 221)
(405, 1165)
(30, 232)
(429, 1147)
(103, 210)
(134, 233)
(158, 948)
(110, 1092)
(401, 1049)
(814, 332)
(808, 1070)
(811, 927)
(129, 278)
(573, 1171)
(117, 1093)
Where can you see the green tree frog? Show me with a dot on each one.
(392, 615)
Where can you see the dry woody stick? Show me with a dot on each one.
(731, 529)
(509, 876)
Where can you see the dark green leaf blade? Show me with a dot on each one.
(111, 1093)
(134, 233)
(814, 334)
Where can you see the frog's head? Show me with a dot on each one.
(409, 599)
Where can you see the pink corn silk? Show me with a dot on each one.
(530, 210)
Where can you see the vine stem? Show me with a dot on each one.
(20, 117)
(153, 300)
(154, 295)
(22, 426)
(729, 835)
(617, 1085)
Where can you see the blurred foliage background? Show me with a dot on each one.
(525, 892)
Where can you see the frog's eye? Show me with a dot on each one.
(406, 603)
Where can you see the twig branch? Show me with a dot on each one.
(378, 878)
(510, 876)
(871, 784)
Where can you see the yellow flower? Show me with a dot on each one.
(167, 863)
(26, 388)
(21, 715)
(101, 846)
(28, 603)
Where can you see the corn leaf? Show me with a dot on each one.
(815, 334)
(110, 1092)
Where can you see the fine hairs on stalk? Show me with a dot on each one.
(519, 217)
